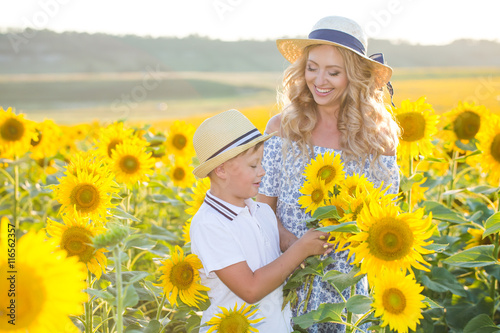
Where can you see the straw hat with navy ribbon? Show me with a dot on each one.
(342, 32)
(222, 137)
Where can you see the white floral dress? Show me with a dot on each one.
(283, 180)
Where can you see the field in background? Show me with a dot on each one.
(159, 98)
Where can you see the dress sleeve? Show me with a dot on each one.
(271, 162)
(214, 244)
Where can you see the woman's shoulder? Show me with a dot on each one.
(274, 124)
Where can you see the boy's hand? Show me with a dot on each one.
(314, 242)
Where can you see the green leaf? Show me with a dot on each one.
(341, 280)
(359, 304)
(139, 241)
(407, 183)
(131, 297)
(483, 189)
(137, 276)
(160, 198)
(159, 233)
(122, 215)
(326, 212)
(430, 303)
(442, 213)
(477, 256)
(492, 225)
(471, 146)
(437, 247)
(154, 326)
(442, 281)
(481, 323)
(343, 227)
(327, 312)
(102, 294)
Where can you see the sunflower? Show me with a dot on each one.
(47, 142)
(315, 194)
(339, 239)
(180, 277)
(198, 196)
(86, 194)
(75, 236)
(418, 124)
(391, 239)
(181, 173)
(489, 144)
(16, 133)
(234, 320)
(89, 162)
(328, 167)
(49, 286)
(462, 124)
(112, 135)
(398, 301)
(180, 139)
(131, 163)
(357, 184)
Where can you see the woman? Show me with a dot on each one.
(335, 104)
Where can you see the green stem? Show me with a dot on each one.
(349, 313)
(158, 313)
(119, 292)
(89, 325)
(309, 291)
(105, 313)
(453, 175)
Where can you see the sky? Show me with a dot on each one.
(414, 21)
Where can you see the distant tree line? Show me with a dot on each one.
(44, 51)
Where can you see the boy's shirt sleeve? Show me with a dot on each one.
(214, 243)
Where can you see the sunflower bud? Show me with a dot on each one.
(114, 236)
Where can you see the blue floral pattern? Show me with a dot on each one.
(283, 180)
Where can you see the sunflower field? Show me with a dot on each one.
(95, 229)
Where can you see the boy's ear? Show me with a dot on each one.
(220, 171)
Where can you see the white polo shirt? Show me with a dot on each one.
(222, 235)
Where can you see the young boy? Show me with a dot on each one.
(235, 237)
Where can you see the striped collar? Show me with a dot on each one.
(226, 209)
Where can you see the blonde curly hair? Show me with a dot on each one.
(366, 126)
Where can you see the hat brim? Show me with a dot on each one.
(292, 48)
(204, 168)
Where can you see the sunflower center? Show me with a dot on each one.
(76, 241)
(112, 145)
(327, 173)
(234, 323)
(390, 239)
(129, 164)
(317, 196)
(413, 126)
(179, 141)
(495, 148)
(36, 142)
(182, 275)
(85, 197)
(394, 301)
(351, 190)
(466, 125)
(12, 130)
(179, 173)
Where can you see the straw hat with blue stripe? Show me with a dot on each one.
(342, 32)
(222, 137)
